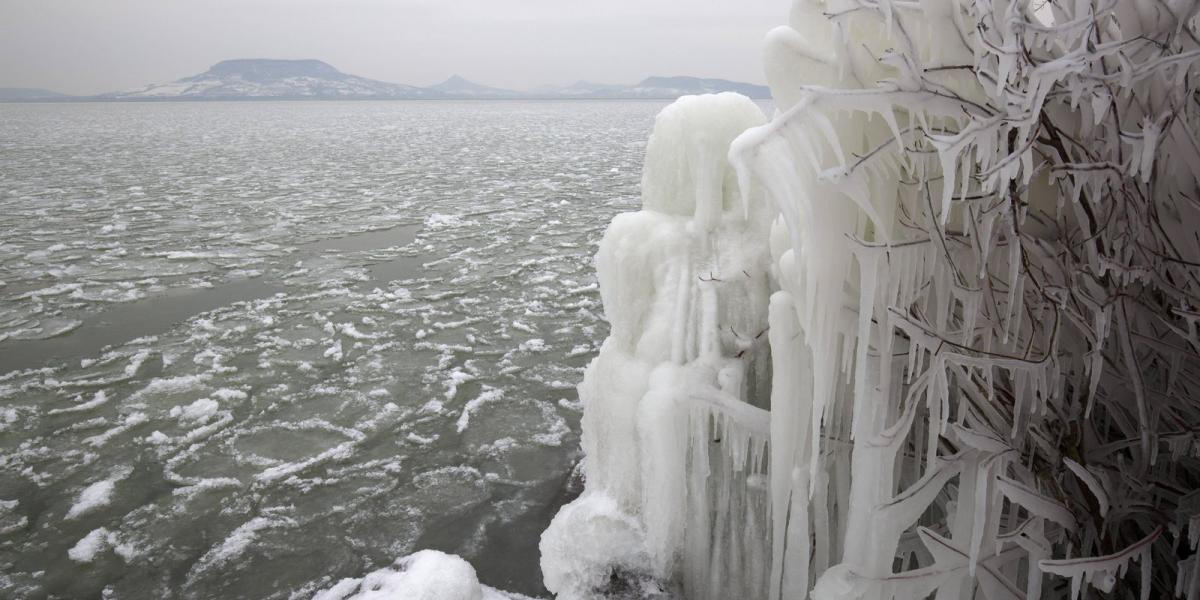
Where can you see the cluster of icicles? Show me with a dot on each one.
(897, 341)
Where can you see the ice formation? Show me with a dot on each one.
(929, 331)
(685, 289)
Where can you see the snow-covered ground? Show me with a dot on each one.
(394, 302)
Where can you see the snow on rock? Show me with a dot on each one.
(686, 172)
(424, 575)
(585, 542)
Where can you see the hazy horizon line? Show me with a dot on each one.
(530, 90)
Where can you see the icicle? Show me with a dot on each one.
(1096, 569)
(1037, 504)
(1092, 483)
(868, 278)
(1151, 130)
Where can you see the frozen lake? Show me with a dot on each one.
(248, 349)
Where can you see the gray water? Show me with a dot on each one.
(294, 341)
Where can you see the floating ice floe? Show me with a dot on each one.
(10, 519)
(88, 548)
(213, 401)
(96, 495)
(489, 394)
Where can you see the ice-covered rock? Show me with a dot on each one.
(424, 575)
(614, 541)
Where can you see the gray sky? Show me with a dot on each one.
(92, 46)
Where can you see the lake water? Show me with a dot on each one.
(248, 349)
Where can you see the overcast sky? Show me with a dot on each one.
(93, 46)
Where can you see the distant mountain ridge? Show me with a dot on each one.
(262, 78)
(279, 79)
(661, 87)
(459, 87)
(15, 94)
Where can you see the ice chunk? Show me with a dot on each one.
(99, 399)
(86, 549)
(100, 539)
(238, 541)
(96, 495)
(489, 394)
(197, 412)
(442, 221)
(10, 520)
(334, 352)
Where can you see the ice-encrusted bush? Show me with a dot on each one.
(983, 349)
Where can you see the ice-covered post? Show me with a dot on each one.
(685, 283)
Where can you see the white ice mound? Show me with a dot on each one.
(686, 172)
(424, 575)
(686, 284)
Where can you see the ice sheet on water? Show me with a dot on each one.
(369, 473)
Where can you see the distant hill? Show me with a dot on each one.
(275, 79)
(11, 94)
(673, 87)
(461, 88)
(258, 78)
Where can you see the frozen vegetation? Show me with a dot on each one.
(930, 331)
